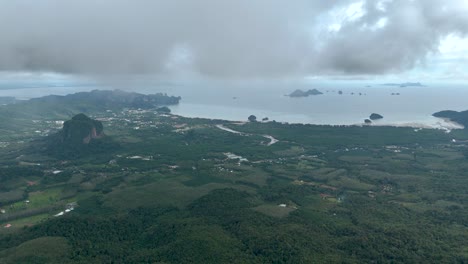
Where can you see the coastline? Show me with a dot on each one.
(318, 114)
(446, 124)
(301, 115)
(449, 121)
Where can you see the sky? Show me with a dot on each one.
(242, 39)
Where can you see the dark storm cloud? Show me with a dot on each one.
(220, 38)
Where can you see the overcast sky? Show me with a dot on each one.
(403, 39)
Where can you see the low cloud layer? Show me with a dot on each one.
(224, 38)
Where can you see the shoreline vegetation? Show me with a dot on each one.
(446, 123)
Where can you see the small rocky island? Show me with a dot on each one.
(300, 93)
(375, 116)
(372, 117)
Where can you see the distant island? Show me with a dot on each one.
(300, 93)
(372, 117)
(454, 116)
(375, 116)
(407, 84)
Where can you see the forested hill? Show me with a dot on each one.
(80, 136)
(96, 100)
(19, 115)
(115, 98)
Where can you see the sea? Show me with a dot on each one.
(342, 102)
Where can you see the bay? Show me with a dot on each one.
(413, 106)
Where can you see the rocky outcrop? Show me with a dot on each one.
(81, 130)
(81, 136)
(375, 116)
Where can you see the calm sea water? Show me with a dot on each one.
(218, 100)
(413, 107)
